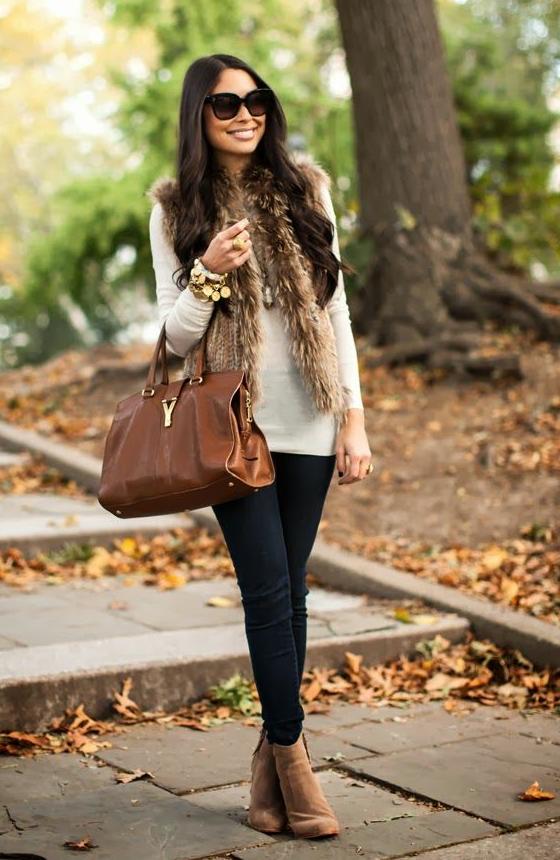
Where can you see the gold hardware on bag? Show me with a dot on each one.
(168, 407)
(148, 392)
(248, 403)
(197, 379)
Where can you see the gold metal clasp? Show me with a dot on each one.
(248, 403)
(168, 407)
(148, 392)
(197, 379)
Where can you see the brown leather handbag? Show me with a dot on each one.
(183, 445)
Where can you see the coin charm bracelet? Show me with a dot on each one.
(207, 286)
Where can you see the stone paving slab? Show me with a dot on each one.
(188, 606)
(543, 726)
(533, 843)
(162, 610)
(383, 839)
(129, 609)
(355, 802)
(182, 760)
(7, 644)
(428, 730)
(6, 825)
(342, 714)
(127, 822)
(481, 776)
(383, 815)
(26, 779)
(62, 625)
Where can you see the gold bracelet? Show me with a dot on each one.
(204, 287)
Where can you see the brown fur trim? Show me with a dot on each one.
(165, 191)
(278, 258)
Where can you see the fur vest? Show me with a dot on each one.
(277, 261)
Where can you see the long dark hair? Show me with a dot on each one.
(313, 231)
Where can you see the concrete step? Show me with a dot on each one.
(10, 459)
(42, 521)
(338, 568)
(76, 643)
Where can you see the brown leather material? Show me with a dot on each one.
(267, 811)
(210, 452)
(309, 813)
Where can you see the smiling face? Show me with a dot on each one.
(233, 140)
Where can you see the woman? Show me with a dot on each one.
(260, 223)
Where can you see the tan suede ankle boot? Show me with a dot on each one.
(308, 810)
(267, 812)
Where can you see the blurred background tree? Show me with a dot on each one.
(504, 61)
(432, 286)
(75, 266)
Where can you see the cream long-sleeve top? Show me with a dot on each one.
(286, 413)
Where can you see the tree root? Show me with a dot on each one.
(498, 297)
(450, 351)
(548, 292)
(427, 299)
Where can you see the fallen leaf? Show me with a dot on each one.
(124, 777)
(312, 691)
(493, 558)
(82, 845)
(222, 602)
(424, 618)
(534, 792)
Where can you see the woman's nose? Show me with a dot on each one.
(244, 112)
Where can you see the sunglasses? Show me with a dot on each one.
(226, 105)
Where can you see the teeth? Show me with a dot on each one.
(244, 135)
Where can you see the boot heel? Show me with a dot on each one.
(309, 813)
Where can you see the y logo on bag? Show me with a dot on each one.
(168, 407)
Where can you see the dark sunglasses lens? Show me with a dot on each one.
(226, 106)
(260, 102)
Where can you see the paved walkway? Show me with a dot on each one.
(400, 781)
(86, 611)
(174, 643)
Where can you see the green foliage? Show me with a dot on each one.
(503, 57)
(97, 216)
(76, 265)
(236, 694)
(71, 552)
(503, 61)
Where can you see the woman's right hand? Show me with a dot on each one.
(220, 257)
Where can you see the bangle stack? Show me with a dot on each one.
(206, 285)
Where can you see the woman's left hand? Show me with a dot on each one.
(353, 454)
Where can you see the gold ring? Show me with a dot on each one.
(369, 469)
(238, 243)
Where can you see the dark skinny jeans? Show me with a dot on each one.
(270, 535)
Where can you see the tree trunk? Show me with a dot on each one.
(428, 277)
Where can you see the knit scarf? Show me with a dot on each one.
(277, 259)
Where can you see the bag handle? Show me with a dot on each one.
(161, 349)
(200, 367)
